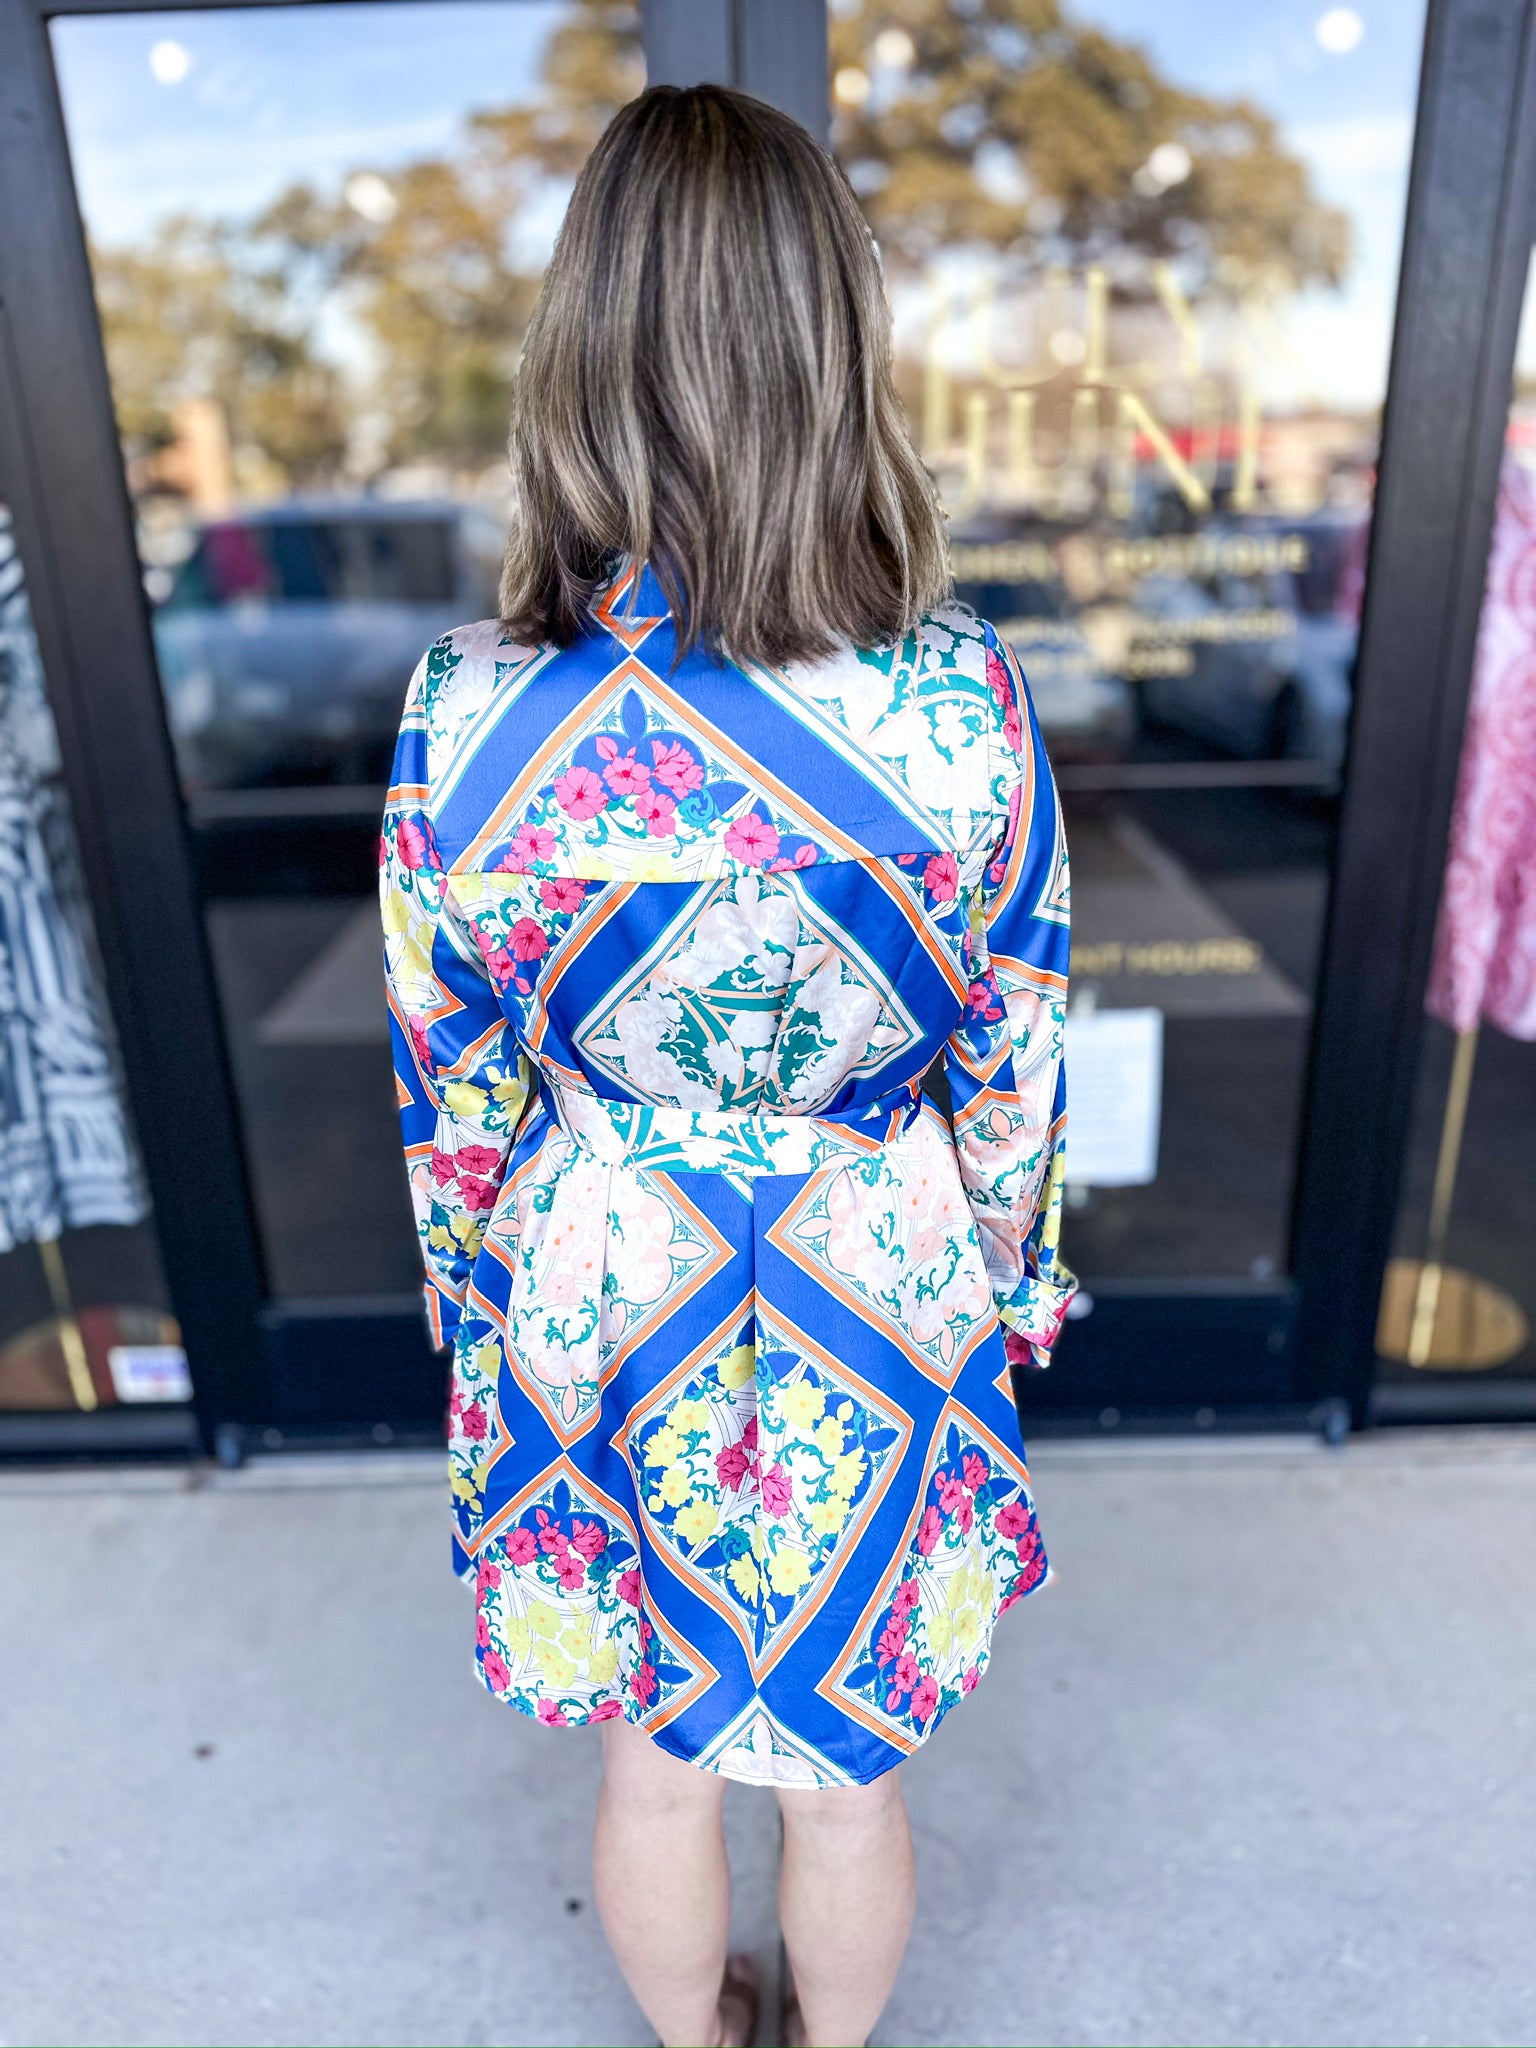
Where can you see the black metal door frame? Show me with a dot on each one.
(1466, 252)
(1178, 1347)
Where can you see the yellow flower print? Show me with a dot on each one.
(604, 1662)
(968, 1587)
(940, 1629)
(651, 867)
(465, 1099)
(488, 1360)
(696, 1521)
(397, 911)
(466, 1228)
(737, 1367)
(676, 1485)
(664, 1446)
(576, 1636)
(544, 1620)
(788, 1570)
(518, 1639)
(553, 1664)
(970, 1632)
(828, 1437)
(689, 1415)
(847, 1472)
(826, 1517)
(803, 1404)
(759, 1541)
(468, 1485)
(742, 1573)
(441, 1238)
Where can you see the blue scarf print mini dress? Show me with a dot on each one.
(671, 946)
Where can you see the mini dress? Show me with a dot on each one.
(671, 946)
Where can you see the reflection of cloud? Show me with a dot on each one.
(125, 190)
(281, 93)
(1342, 340)
(1358, 146)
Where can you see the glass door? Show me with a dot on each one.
(315, 235)
(1145, 267)
(1144, 263)
(86, 1328)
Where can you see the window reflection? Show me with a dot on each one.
(313, 285)
(83, 1319)
(1143, 265)
(283, 640)
(317, 233)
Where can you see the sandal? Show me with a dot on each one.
(738, 1989)
(739, 1999)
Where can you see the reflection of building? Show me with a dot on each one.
(1065, 401)
(196, 464)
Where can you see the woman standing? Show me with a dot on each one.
(696, 860)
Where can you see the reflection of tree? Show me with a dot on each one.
(428, 269)
(189, 315)
(435, 277)
(1006, 122)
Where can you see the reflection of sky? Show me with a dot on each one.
(276, 94)
(1349, 117)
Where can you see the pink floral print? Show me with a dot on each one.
(733, 1311)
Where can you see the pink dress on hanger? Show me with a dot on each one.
(1485, 943)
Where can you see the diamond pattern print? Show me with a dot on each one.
(754, 1464)
(670, 944)
(893, 1238)
(751, 999)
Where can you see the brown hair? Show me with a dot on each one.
(706, 386)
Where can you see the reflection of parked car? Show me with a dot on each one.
(288, 635)
(1260, 665)
(1084, 711)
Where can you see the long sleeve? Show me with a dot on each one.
(1004, 1061)
(461, 1081)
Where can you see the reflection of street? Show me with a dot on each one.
(286, 635)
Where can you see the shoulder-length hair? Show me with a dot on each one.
(706, 387)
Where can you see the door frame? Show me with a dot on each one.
(1471, 223)
(349, 1364)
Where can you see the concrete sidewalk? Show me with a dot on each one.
(1261, 1767)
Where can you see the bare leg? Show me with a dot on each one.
(846, 1895)
(662, 1886)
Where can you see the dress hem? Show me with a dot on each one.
(767, 1779)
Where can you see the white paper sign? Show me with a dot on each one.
(1114, 1097)
(149, 1372)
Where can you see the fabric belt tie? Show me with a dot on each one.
(667, 1140)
